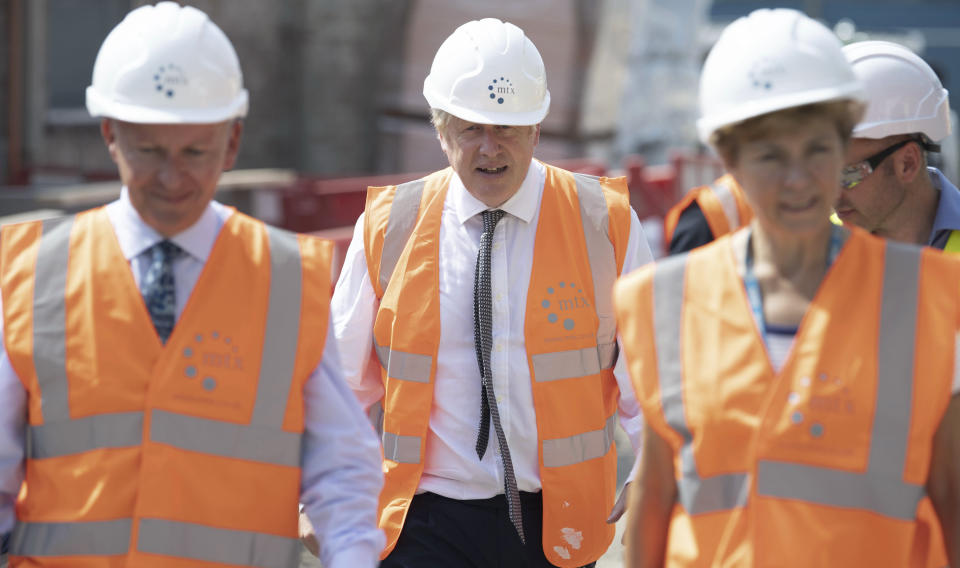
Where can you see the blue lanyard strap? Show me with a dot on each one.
(753, 287)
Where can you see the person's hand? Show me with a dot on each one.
(620, 507)
(307, 536)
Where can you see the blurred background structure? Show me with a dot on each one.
(336, 93)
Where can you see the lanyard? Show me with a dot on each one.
(753, 287)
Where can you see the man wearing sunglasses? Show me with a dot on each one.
(888, 188)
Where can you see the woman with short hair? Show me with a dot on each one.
(797, 378)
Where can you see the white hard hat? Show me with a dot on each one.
(167, 64)
(489, 72)
(770, 60)
(904, 95)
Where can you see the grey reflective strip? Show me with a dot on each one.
(881, 488)
(281, 335)
(697, 494)
(79, 435)
(403, 216)
(100, 538)
(579, 448)
(210, 544)
(595, 218)
(896, 351)
(573, 363)
(50, 318)
(608, 355)
(881, 494)
(404, 366)
(711, 494)
(401, 449)
(728, 202)
(668, 289)
(226, 439)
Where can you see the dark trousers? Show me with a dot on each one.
(448, 533)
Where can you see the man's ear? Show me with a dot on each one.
(233, 144)
(909, 162)
(443, 141)
(109, 133)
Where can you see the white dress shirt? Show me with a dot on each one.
(341, 472)
(451, 467)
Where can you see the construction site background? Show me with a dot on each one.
(336, 101)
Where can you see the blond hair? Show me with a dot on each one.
(727, 140)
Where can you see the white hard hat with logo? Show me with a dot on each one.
(904, 95)
(770, 60)
(167, 64)
(489, 72)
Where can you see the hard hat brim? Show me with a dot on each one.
(491, 117)
(100, 106)
(707, 126)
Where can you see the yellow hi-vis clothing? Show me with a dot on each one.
(145, 454)
(953, 243)
(581, 237)
(825, 462)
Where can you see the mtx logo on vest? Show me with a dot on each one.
(563, 303)
(819, 408)
(209, 357)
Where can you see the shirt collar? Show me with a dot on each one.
(136, 236)
(948, 208)
(522, 205)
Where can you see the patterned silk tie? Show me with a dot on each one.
(158, 289)
(483, 340)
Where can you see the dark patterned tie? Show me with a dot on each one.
(158, 289)
(483, 340)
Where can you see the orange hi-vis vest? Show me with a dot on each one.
(581, 238)
(722, 204)
(151, 455)
(930, 530)
(825, 462)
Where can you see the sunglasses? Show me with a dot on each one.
(852, 175)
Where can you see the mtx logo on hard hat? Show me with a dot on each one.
(764, 72)
(168, 78)
(504, 87)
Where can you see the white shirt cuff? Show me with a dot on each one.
(360, 555)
